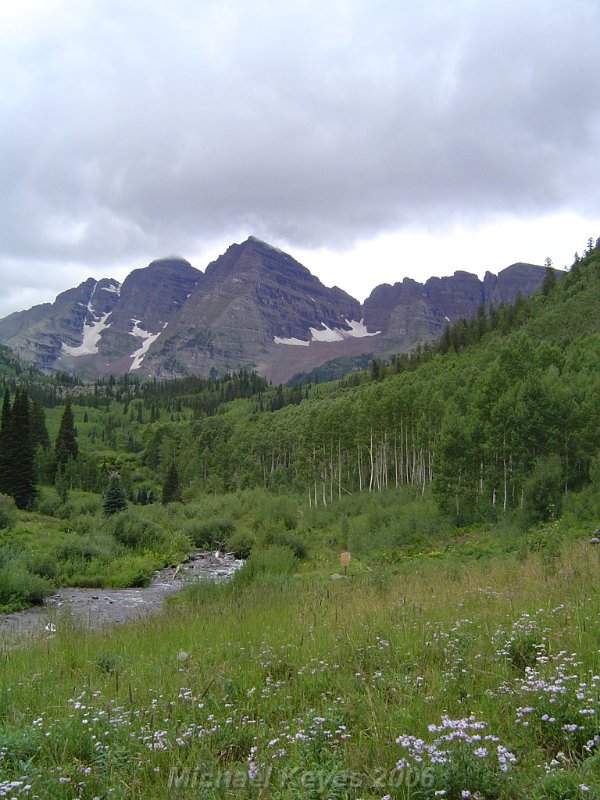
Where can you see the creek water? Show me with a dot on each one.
(97, 607)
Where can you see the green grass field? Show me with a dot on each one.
(477, 677)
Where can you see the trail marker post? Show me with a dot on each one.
(345, 559)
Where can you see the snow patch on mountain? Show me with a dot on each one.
(293, 341)
(358, 330)
(91, 335)
(327, 335)
(149, 338)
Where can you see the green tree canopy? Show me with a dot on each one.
(66, 441)
(5, 445)
(114, 496)
(171, 492)
(21, 479)
(39, 431)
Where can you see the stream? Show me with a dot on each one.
(97, 607)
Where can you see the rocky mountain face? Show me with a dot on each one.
(254, 307)
(410, 312)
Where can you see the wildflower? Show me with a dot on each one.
(252, 767)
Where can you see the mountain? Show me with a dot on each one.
(255, 306)
(410, 312)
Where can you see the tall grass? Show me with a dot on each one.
(299, 686)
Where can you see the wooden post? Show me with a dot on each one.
(345, 558)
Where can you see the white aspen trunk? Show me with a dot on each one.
(384, 466)
(359, 470)
(339, 469)
(566, 463)
(505, 504)
(371, 462)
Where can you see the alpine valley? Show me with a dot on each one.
(254, 307)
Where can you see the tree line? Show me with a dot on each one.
(476, 422)
(25, 445)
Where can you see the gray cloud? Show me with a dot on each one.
(133, 129)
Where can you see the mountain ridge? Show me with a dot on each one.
(254, 307)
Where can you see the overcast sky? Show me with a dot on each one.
(371, 139)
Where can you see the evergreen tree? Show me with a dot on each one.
(549, 281)
(66, 441)
(446, 340)
(142, 496)
(114, 497)
(171, 492)
(481, 323)
(22, 471)
(376, 372)
(39, 431)
(62, 485)
(5, 445)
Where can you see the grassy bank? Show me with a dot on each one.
(294, 685)
(75, 544)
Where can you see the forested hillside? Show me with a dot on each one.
(505, 403)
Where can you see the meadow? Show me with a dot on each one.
(471, 671)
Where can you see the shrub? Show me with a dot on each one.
(19, 588)
(207, 533)
(48, 502)
(83, 549)
(8, 512)
(86, 523)
(273, 513)
(286, 539)
(133, 571)
(240, 544)
(87, 504)
(136, 532)
(545, 540)
(274, 560)
(43, 564)
(543, 492)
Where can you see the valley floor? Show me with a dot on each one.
(427, 679)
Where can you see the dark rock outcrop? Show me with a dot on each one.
(410, 312)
